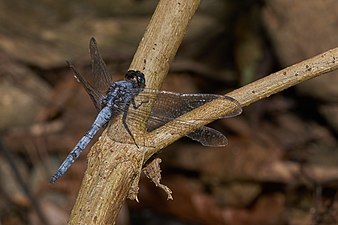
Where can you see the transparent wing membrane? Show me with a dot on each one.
(102, 77)
(94, 95)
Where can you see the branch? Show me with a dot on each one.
(246, 95)
(114, 168)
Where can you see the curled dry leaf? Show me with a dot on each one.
(153, 172)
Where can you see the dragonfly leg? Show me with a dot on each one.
(136, 106)
(124, 122)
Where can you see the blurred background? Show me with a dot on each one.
(281, 164)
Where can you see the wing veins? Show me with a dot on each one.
(94, 95)
(99, 68)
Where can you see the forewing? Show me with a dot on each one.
(94, 94)
(173, 105)
(102, 78)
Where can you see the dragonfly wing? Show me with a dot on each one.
(102, 78)
(209, 137)
(94, 94)
(173, 105)
(169, 106)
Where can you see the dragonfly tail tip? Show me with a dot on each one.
(53, 179)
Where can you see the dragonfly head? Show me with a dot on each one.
(136, 77)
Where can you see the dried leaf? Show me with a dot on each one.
(153, 172)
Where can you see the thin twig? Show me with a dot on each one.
(246, 95)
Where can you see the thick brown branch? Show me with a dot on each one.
(114, 168)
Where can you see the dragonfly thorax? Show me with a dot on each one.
(119, 94)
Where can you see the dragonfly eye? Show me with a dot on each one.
(137, 77)
(141, 80)
(130, 75)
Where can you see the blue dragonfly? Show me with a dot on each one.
(115, 98)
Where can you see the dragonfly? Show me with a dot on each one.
(112, 99)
